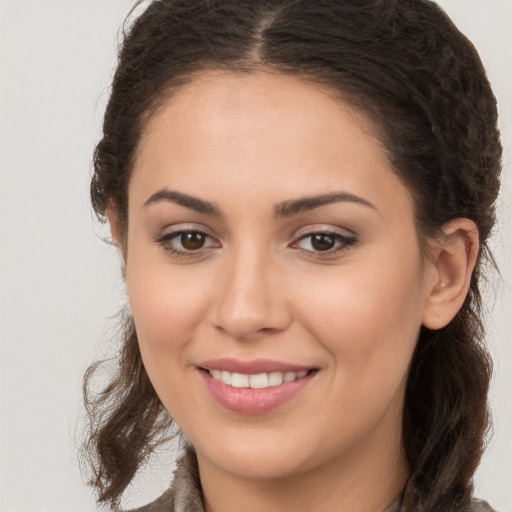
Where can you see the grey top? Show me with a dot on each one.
(184, 495)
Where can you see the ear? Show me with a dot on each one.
(115, 230)
(113, 221)
(452, 262)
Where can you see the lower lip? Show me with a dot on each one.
(254, 401)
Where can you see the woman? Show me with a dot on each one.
(302, 194)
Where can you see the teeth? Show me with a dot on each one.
(240, 380)
(275, 378)
(225, 377)
(289, 377)
(258, 381)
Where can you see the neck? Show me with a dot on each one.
(366, 481)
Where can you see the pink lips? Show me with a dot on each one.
(248, 400)
(251, 367)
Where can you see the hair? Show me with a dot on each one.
(420, 81)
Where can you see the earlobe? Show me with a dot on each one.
(113, 221)
(453, 260)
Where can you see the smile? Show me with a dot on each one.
(257, 381)
(254, 387)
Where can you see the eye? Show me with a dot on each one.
(187, 242)
(323, 242)
(191, 241)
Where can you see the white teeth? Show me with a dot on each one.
(258, 381)
(240, 380)
(225, 377)
(275, 378)
(289, 377)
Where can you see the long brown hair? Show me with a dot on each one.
(407, 68)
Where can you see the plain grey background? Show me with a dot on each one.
(59, 284)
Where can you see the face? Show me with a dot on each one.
(274, 275)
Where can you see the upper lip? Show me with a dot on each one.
(252, 367)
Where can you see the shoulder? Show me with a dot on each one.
(184, 495)
(479, 506)
(164, 503)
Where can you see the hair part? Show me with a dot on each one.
(407, 68)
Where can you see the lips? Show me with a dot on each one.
(252, 367)
(255, 381)
(254, 387)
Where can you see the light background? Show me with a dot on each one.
(59, 284)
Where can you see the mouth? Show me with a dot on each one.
(256, 381)
(245, 387)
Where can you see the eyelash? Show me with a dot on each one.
(166, 240)
(344, 242)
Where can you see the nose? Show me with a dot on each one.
(251, 299)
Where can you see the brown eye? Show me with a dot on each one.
(323, 242)
(192, 240)
(187, 243)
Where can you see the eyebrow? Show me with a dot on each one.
(284, 209)
(296, 206)
(194, 203)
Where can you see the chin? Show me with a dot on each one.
(258, 459)
(260, 466)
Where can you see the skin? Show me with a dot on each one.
(258, 288)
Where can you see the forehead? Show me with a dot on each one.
(220, 105)
(271, 133)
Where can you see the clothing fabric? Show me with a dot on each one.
(184, 495)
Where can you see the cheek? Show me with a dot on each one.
(167, 308)
(369, 325)
(368, 318)
(167, 304)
